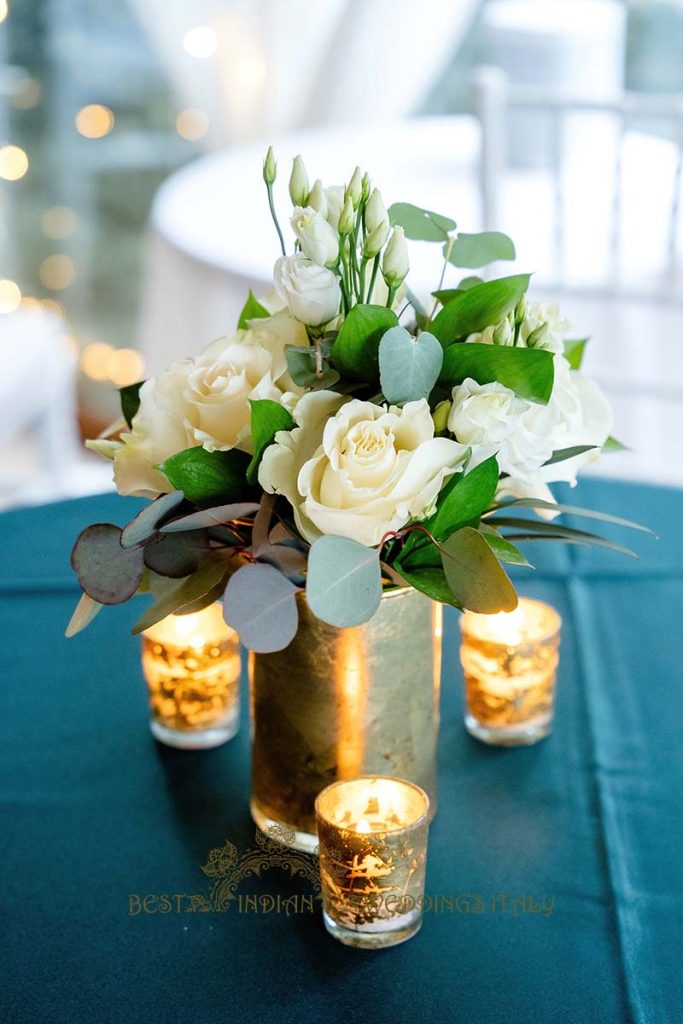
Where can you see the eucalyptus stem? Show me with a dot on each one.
(273, 214)
(449, 246)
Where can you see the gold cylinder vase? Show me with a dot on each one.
(339, 703)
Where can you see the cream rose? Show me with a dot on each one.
(361, 472)
(482, 415)
(311, 293)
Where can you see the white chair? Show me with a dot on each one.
(603, 226)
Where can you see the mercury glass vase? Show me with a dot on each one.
(339, 703)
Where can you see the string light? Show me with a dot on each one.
(200, 42)
(57, 272)
(58, 222)
(10, 295)
(13, 163)
(192, 123)
(124, 366)
(94, 359)
(94, 121)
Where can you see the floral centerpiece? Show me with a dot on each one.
(347, 438)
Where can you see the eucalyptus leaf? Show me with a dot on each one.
(529, 372)
(252, 310)
(147, 521)
(478, 307)
(211, 517)
(474, 574)
(408, 366)
(84, 612)
(344, 581)
(419, 224)
(208, 477)
(130, 401)
(303, 371)
(107, 572)
(356, 349)
(574, 351)
(260, 603)
(267, 418)
(474, 251)
(186, 591)
(176, 554)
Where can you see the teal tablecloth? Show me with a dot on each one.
(96, 816)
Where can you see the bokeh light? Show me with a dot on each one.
(94, 359)
(124, 366)
(13, 163)
(94, 121)
(27, 95)
(58, 222)
(10, 295)
(192, 123)
(57, 272)
(3, 9)
(200, 42)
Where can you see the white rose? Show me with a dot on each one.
(482, 415)
(311, 292)
(372, 469)
(317, 238)
(158, 431)
(220, 382)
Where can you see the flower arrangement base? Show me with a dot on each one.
(522, 736)
(338, 703)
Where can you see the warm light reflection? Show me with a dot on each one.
(3, 10)
(94, 359)
(249, 70)
(13, 163)
(192, 123)
(94, 121)
(52, 306)
(57, 272)
(124, 366)
(58, 222)
(200, 42)
(27, 95)
(351, 682)
(10, 295)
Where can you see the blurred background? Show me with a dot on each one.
(133, 215)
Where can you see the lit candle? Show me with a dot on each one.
(373, 850)
(192, 667)
(510, 662)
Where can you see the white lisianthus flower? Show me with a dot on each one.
(395, 264)
(483, 415)
(334, 194)
(311, 292)
(373, 469)
(547, 313)
(318, 239)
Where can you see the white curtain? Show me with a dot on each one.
(285, 64)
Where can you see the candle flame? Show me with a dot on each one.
(363, 826)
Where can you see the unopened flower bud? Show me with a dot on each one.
(269, 167)
(375, 211)
(503, 334)
(539, 337)
(395, 264)
(345, 226)
(440, 416)
(317, 198)
(520, 310)
(375, 240)
(365, 187)
(298, 183)
(354, 188)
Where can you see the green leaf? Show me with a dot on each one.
(130, 401)
(207, 478)
(215, 516)
(147, 521)
(355, 352)
(612, 445)
(529, 372)
(185, 592)
(107, 572)
(474, 251)
(267, 417)
(478, 307)
(572, 510)
(84, 612)
(176, 555)
(562, 454)
(344, 581)
(252, 310)
(534, 527)
(408, 366)
(260, 603)
(303, 371)
(432, 582)
(574, 350)
(504, 550)
(475, 575)
(419, 224)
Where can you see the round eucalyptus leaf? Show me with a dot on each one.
(260, 603)
(176, 554)
(107, 572)
(408, 367)
(344, 581)
(147, 521)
